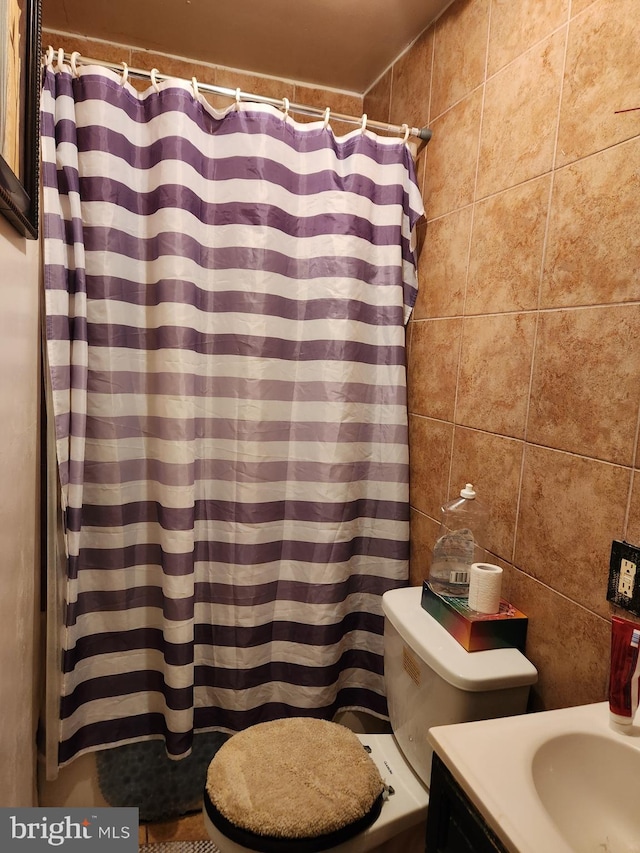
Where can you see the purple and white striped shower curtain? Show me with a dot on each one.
(226, 300)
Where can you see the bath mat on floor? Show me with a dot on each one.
(179, 847)
(141, 775)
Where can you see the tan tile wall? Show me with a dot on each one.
(524, 346)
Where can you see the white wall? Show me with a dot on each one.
(19, 513)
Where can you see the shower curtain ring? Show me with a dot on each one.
(364, 123)
(406, 132)
(74, 67)
(154, 82)
(50, 54)
(238, 93)
(60, 63)
(125, 73)
(285, 107)
(196, 90)
(327, 113)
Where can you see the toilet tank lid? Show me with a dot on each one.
(493, 669)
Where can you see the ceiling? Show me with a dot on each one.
(342, 44)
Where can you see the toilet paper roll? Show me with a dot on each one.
(485, 584)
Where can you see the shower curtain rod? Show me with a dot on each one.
(155, 76)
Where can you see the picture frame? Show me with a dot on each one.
(20, 34)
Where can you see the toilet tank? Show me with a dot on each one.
(431, 680)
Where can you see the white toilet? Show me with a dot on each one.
(430, 680)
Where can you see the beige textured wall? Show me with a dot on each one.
(19, 521)
(524, 347)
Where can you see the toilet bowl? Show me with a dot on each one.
(430, 680)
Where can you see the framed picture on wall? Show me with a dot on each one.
(19, 108)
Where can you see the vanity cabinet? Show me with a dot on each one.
(454, 825)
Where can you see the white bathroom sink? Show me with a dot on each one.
(588, 785)
(555, 781)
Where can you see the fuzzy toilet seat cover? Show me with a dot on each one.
(295, 784)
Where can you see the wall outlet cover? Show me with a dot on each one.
(624, 576)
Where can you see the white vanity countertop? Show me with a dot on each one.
(492, 762)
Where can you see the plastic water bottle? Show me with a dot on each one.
(462, 529)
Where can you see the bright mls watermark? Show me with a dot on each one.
(74, 830)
